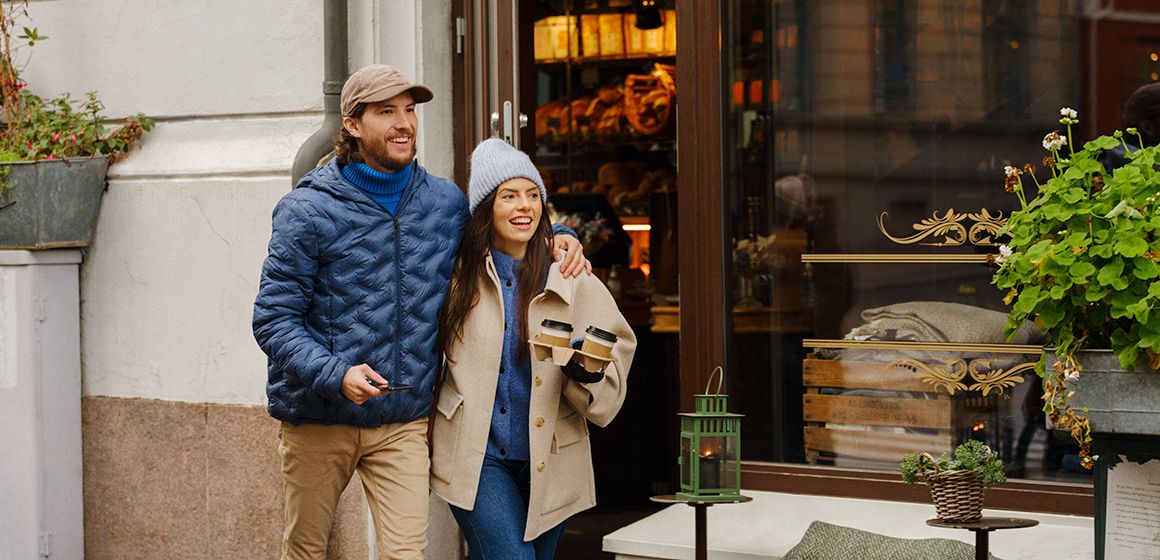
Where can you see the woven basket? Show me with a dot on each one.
(957, 495)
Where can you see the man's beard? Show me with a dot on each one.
(379, 154)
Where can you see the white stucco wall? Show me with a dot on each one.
(236, 87)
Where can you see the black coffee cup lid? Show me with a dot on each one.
(601, 334)
(558, 325)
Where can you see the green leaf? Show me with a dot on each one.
(1028, 299)
(1095, 293)
(1140, 309)
(1077, 239)
(1110, 272)
(1149, 336)
(1101, 143)
(1129, 244)
(1121, 304)
(1145, 269)
(1081, 270)
(1051, 315)
(1128, 356)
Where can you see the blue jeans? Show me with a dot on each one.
(494, 529)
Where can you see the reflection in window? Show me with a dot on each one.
(851, 129)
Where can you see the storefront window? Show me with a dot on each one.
(863, 182)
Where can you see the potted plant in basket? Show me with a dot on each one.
(956, 483)
(1081, 261)
(53, 152)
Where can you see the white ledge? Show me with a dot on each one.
(49, 256)
(218, 147)
(773, 523)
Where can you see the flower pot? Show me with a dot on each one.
(51, 204)
(1118, 401)
(957, 495)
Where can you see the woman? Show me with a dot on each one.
(510, 449)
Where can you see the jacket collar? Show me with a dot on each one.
(555, 284)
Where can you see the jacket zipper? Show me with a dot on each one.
(398, 300)
(408, 193)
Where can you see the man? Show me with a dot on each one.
(1142, 112)
(359, 263)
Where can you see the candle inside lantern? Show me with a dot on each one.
(710, 469)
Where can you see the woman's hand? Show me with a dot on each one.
(568, 251)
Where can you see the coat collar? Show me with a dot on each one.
(556, 283)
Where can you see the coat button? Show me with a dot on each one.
(539, 421)
(539, 381)
(540, 467)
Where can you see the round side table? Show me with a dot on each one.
(982, 528)
(700, 517)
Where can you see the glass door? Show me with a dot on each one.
(588, 88)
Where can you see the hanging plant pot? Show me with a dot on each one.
(51, 204)
(1118, 401)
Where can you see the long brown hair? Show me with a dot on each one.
(345, 144)
(469, 272)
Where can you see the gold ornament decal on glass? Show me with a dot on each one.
(950, 374)
(950, 228)
(983, 230)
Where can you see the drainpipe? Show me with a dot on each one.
(335, 73)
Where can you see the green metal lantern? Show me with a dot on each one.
(710, 462)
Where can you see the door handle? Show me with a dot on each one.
(509, 125)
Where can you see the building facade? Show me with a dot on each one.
(785, 188)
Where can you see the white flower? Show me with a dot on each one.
(1071, 374)
(1011, 171)
(1054, 141)
(1004, 252)
(1068, 112)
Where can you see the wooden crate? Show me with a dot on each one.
(859, 413)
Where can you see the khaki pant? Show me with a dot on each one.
(392, 461)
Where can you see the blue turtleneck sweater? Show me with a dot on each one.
(385, 188)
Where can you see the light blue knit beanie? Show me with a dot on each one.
(495, 161)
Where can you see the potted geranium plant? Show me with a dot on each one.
(956, 482)
(1081, 261)
(53, 153)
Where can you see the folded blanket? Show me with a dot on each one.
(940, 321)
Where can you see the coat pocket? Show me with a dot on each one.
(445, 433)
(569, 430)
(449, 401)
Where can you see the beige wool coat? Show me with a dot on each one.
(562, 482)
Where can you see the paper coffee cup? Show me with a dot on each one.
(598, 342)
(556, 333)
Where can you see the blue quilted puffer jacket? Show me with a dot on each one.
(347, 283)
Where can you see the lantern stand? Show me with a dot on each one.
(710, 459)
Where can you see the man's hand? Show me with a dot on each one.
(356, 384)
(568, 251)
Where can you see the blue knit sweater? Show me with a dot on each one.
(513, 394)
